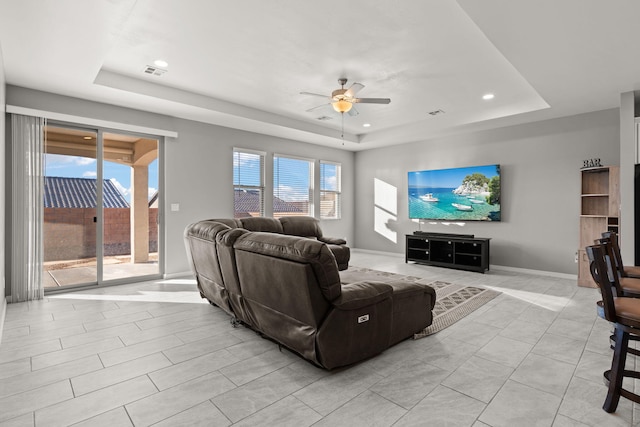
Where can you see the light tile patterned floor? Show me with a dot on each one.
(156, 354)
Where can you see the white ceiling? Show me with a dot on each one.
(243, 64)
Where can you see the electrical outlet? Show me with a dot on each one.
(175, 207)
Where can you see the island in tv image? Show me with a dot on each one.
(458, 194)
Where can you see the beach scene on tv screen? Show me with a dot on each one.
(459, 194)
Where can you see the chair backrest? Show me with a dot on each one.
(611, 239)
(599, 265)
(613, 271)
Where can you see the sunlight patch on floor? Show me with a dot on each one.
(549, 302)
(151, 294)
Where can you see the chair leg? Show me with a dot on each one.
(616, 374)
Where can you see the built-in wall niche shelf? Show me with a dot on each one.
(599, 212)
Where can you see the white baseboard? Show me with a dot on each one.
(492, 267)
(178, 275)
(3, 312)
(369, 251)
(535, 272)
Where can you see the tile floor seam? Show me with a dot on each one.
(392, 402)
(220, 409)
(302, 403)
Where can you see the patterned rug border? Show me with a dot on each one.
(460, 311)
(444, 290)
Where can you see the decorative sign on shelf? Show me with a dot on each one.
(591, 163)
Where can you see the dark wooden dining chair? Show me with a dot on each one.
(624, 313)
(624, 271)
(623, 284)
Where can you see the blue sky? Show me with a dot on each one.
(84, 167)
(447, 178)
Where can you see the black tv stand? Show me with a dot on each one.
(430, 233)
(460, 251)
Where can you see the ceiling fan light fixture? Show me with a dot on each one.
(341, 106)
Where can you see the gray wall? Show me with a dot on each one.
(540, 179)
(199, 176)
(198, 165)
(540, 165)
(2, 191)
(627, 173)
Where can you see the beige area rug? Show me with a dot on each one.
(453, 302)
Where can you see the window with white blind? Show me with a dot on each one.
(330, 186)
(292, 186)
(248, 183)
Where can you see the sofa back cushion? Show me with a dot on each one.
(312, 252)
(228, 267)
(200, 239)
(230, 222)
(304, 226)
(287, 284)
(269, 225)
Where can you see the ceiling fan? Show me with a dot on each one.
(342, 99)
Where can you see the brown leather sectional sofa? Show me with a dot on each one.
(289, 288)
(303, 226)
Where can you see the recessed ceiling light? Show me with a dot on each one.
(161, 63)
(366, 125)
(488, 96)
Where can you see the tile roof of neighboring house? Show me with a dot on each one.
(80, 193)
(249, 201)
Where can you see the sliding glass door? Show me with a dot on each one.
(101, 198)
(130, 201)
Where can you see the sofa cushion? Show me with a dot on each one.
(269, 225)
(412, 308)
(203, 257)
(303, 226)
(293, 248)
(342, 253)
(229, 222)
(362, 294)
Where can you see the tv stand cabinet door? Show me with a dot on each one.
(418, 248)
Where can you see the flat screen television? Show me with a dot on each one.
(458, 194)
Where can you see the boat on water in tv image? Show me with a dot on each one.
(462, 207)
(458, 194)
(429, 198)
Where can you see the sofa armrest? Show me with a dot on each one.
(333, 240)
(362, 294)
(358, 325)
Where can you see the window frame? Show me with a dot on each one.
(337, 192)
(310, 189)
(244, 187)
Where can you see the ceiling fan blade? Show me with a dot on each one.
(371, 100)
(314, 94)
(315, 108)
(355, 88)
(353, 112)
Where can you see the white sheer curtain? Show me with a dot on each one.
(27, 146)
